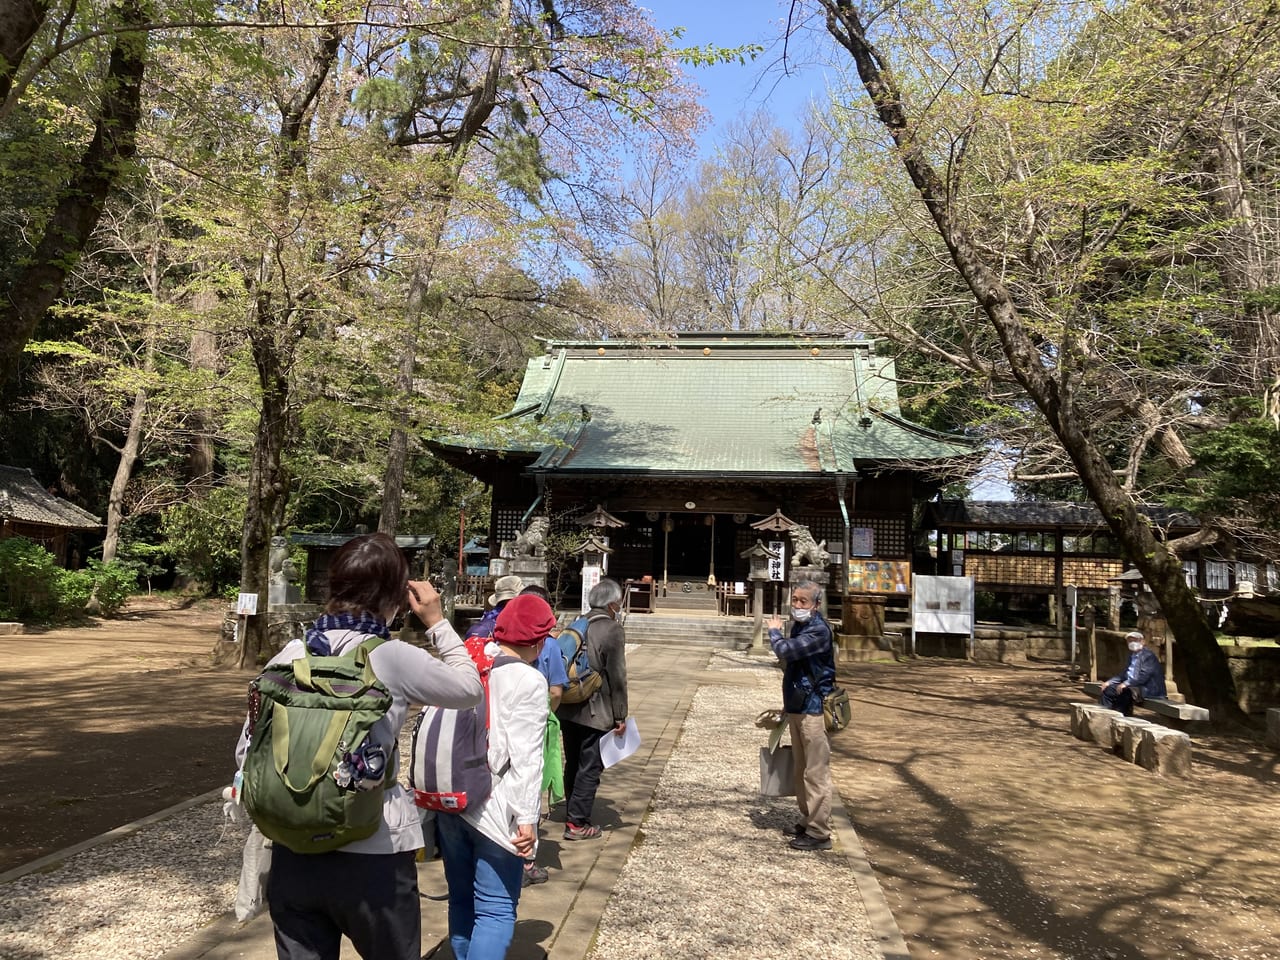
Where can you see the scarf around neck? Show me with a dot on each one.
(318, 643)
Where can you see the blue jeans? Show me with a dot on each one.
(484, 888)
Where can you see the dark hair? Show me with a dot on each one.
(538, 590)
(368, 574)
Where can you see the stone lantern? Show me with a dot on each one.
(758, 557)
(593, 551)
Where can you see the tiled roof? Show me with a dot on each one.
(1008, 514)
(714, 404)
(23, 499)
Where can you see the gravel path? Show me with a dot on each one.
(711, 874)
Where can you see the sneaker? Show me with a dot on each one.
(585, 832)
(794, 830)
(533, 874)
(807, 842)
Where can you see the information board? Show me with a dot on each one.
(879, 576)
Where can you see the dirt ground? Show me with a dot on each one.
(995, 834)
(112, 721)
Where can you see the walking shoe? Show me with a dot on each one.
(533, 874)
(585, 832)
(807, 842)
(793, 830)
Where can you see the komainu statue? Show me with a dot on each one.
(530, 542)
(805, 551)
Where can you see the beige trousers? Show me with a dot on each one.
(812, 749)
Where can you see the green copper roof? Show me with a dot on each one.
(711, 403)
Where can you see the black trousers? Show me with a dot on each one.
(315, 898)
(582, 769)
(1118, 700)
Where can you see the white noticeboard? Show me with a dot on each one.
(942, 605)
(862, 542)
(590, 577)
(778, 566)
(247, 605)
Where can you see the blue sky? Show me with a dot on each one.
(732, 89)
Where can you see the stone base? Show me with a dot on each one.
(1126, 736)
(1165, 751)
(529, 569)
(858, 649)
(1273, 727)
(1092, 723)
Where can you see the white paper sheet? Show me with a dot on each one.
(615, 747)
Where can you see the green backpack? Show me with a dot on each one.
(310, 723)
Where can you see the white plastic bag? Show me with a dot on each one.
(251, 897)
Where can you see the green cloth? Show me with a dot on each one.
(553, 760)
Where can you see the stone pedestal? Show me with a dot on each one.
(529, 569)
(1273, 727)
(863, 615)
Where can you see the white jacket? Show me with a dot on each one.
(517, 725)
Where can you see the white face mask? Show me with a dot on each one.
(800, 614)
(1135, 645)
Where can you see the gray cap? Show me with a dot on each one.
(504, 588)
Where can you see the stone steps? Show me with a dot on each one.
(726, 633)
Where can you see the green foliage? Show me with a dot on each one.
(1239, 466)
(34, 589)
(114, 582)
(203, 537)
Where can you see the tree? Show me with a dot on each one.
(35, 283)
(1045, 332)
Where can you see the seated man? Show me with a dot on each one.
(1142, 678)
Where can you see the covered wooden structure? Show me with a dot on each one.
(690, 439)
(29, 510)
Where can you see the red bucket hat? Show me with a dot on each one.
(525, 620)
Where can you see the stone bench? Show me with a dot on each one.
(1149, 745)
(1183, 712)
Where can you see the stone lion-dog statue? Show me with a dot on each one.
(805, 551)
(532, 541)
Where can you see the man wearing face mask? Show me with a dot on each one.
(583, 724)
(1142, 678)
(809, 674)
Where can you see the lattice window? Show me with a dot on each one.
(890, 535)
(506, 523)
(1190, 570)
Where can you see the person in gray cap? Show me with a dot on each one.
(504, 589)
(1143, 677)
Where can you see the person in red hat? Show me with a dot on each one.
(484, 849)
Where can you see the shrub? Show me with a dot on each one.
(114, 582)
(203, 537)
(34, 589)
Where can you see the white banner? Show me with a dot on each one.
(590, 577)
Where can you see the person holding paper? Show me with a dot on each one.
(583, 724)
(809, 673)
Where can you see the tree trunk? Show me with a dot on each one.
(20, 21)
(1211, 682)
(268, 485)
(124, 473)
(24, 301)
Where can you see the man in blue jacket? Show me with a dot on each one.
(1142, 678)
(809, 674)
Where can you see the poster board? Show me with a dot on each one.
(879, 576)
(590, 577)
(943, 605)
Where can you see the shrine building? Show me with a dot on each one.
(672, 448)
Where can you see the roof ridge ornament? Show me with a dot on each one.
(599, 517)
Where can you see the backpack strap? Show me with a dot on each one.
(302, 667)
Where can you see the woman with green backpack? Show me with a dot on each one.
(355, 876)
